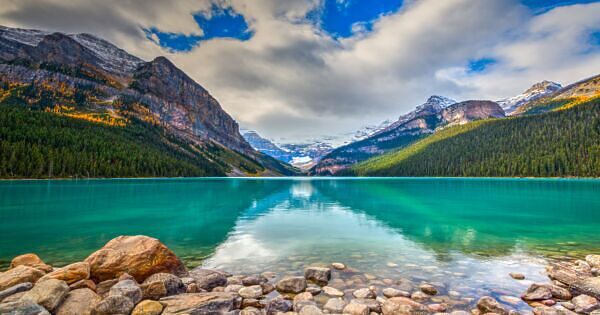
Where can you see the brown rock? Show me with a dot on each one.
(70, 274)
(589, 286)
(537, 292)
(437, 307)
(585, 304)
(103, 287)
(201, 303)
(153, 290)
(81, 284)
(30, 260)
(19, 274)
(78, 302)
(147, 307)
(335, 305)
(139, 256)
(428, 289)
(291, 285)
(49, 293)
(18, 288)
(172, 283)
(517, 275)
(318, 274)
(356, 309)
(488, 304)
(593, 260)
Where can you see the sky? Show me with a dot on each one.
(301, 69)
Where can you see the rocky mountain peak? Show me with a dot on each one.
(535, 92)
(543, 87)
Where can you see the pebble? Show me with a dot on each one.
(338, 266)
(335, 305)
(517, 276)
(428, 289)
(251, 292)
(391, 292)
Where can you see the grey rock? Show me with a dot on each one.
(585, 304)
(21, 287)
(251, 292)
(103, 287)
(113, 304)
(331, 291)
(78, 302)
(277, 305)
(22, 307)
(127, 288)
(364, 293)
(589, 286)
(317, 274)
(233, 288)
(173, 284)
(335, 305)
(372, 304)
(356, 309)
(391, 292)
(291, 285)
(310, 310)
(48, 294)
(254, 280)
(208, 279)
(313, 289)
(201, 303)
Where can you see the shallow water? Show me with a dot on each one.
(464, 235)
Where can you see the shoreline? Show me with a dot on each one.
(140, 275)
(295, 178)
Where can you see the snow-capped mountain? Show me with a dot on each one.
(534, 92)
(367, 131)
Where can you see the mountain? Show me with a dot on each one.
(435, 113)
(562, 142)
(84, 77)
(535, 92)
(266, 146)
(565, 97)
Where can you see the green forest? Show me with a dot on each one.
(553, 144)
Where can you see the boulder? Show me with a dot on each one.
(488, 304)
(22, 307)
(49, 293)
(201, 303)
(589, 286)
(19, 274)
(331, 291)
(356, 309)
(319, 275)
(291, 285)
(78, 302)
(114, 304)
(70, 273)
(335, 305)
(364, 293)
(147, 307)
(208, 279)
(153, 290)
(593, 260)
(254, 280)
(537, 292)
(277, 305)
(250, 311)
(172, 283)
(428, 289)
(127, 288)
(30, 260)
(21, 287)
(251, 292)
(81, 284)
(139, 256)
(585, 304)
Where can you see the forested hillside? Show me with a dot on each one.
(564, 142)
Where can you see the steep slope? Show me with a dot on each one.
(564, 142)
(85, 77)
(266, 146)
(535, 92)
(436, 113)
(570, 95)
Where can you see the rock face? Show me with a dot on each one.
(71, 273)
(139, 256)
(201, 303)
(19, 274)
(291, 285)
(208, 279)
(79, 302)
(464, 112)
(49, 293)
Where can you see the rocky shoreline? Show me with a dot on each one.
(139, 275)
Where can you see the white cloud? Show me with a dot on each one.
(293, 80)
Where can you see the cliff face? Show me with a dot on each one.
(464, 112)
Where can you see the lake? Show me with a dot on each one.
(464, 235)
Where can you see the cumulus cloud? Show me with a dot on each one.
(293, 80)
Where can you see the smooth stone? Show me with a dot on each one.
(237, 280)
(402, 305)
(103, 287)
(254, 280)
(537, 292)
(364, 293)
(148, 307)
(300, 298)
(372, 304)
(310, 310)
(338, 266)
(549, 302)
(22, 307)
(252, 303)
(510, 299)
(201, 303)
(568, 305)
(317, 274)
(331, 291)
(267, 288)
(589, 286)
(277, 305)
(207, 279)
(70, 273)
(488, 304)
(21, 287)
(593, 260)
(127, 288)
(79, 302)
(250, 311)
(437, 307)
(517, 275)
(585, 303)
(313, 289)
(172, 283)
(428, 289)
(391, 292)
(335, 305)
(153, 290)
(83, 284)
(19, 274)
(356, 309)
(291, 285)
(30, 260)
(420, 296)
(140, 256)
(233, 288)
(460, 313)
(251, 292)
(49, 293)
(114, 304)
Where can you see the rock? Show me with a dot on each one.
(153, 290)
(291, 285)
(488, 304)
(310, 310)
(356, 309)
(201, 303)
(510, 299)
(589, 286)
(147, 307)
(254, 280)
(548, 302)
(172, 283)
(140, 256)
(250, 311)
(560, 293)
(364, 293)
(302, 297)
(460, 313)
(13, 298)
(22, 307)
(19, 274)
(402, 305)
(113, 304)
(537, 292)
(372, 304)
(251, 292)
(21, 287)
(277, 305)
(319, 275)
(103, 287)
(30, 260)
(338, 266)
(313, 289)
(126, 276)
(252, 303)
(82, 284)
(420, 296)
(568, 305)
(267, 288)
(78, 302)
(585, 303)
(437, 307)
(568, 273)
(391, 292)
(49, 293)
(546, 310)
(335, 305)
(517, 275)
(233, 288)
(70, 273)
(428, 289)
(127, 288)
(331, 291)
(208, 279)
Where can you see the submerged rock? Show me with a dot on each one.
(277, 305)
(318, 274)
(364, 293)
(335, 305)
(338, 266)
(291, 285)
(331, 291)
(428, 289)
(517, 275)
(354, 308)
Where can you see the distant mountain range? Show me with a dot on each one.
(80, 76)
(535, 92)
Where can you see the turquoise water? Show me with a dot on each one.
(466, 235)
